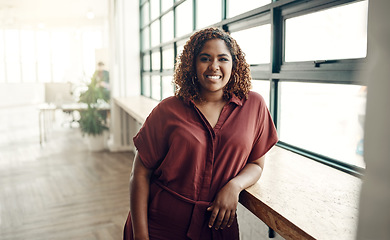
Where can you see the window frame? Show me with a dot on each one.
(339, 71)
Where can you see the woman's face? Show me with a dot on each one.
(214, 66)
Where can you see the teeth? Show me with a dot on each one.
(213, 77)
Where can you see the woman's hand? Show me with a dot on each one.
(223, 208)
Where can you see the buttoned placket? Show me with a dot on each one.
(204, 195)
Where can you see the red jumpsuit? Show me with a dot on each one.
(192, 161)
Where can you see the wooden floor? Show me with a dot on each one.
(59, 190)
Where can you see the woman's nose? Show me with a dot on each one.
(214, 66)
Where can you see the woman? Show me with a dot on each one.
(199, 149)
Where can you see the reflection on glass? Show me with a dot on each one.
(237, 7)
(337, 33)
(184, 15)
(155, 33)
(255, 43)
(324, 118)
(262, 87)
(156, 88)
(156, 61)
(145, 14)
(146, 85)
(154, 9)
(168, 60)
(208, 12)
(167, 86)
(167, 27)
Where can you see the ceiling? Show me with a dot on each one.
(52, 13)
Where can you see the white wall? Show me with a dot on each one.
(124, 63)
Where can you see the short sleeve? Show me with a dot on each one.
(151, 140)
(266, 135)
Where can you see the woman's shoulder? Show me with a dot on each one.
(171, 103)
(255, 98)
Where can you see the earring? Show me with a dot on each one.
(193, 82)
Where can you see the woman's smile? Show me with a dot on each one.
(214, 66)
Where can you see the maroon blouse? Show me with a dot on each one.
(192, 161)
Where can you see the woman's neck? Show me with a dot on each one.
(214, 98)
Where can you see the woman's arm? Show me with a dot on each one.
(224, 206)
(139, 196)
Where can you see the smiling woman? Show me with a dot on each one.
(199, 149)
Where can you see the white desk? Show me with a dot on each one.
(47, 110)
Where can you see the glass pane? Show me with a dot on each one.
(180, 48)
(167, 27)
(166, 4)
(337, 33)
(154, 9)
(255, 43)
(13, 72)
(156, 88)
(156, 61)
(146, 85)
(145, 39)
(237, 7)
(168, 59)
(184, 15)
(262, 87)
(29, 71)
(155, 33)
(146, 62)
(2, 72)
(27, 38)
(12, 50)
(145, 14)
(324, 118)
(208, 12)
(168, 87)
(44, 71)
(2, 63)
(60, 55)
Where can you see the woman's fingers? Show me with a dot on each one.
(232, 217)
(226, 219)
(220, 219)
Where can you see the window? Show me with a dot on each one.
(28, 55)
(237, 7)
(304, 58)
(341, 32)
(255, 43)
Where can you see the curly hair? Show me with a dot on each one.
(239, 83)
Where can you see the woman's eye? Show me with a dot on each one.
(204, 59)
(224, 59)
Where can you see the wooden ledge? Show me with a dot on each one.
(297, 197)
(302, 199)
(138, 107)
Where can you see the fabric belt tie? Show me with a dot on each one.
(198, 212)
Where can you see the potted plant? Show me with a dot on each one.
(93, 119)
